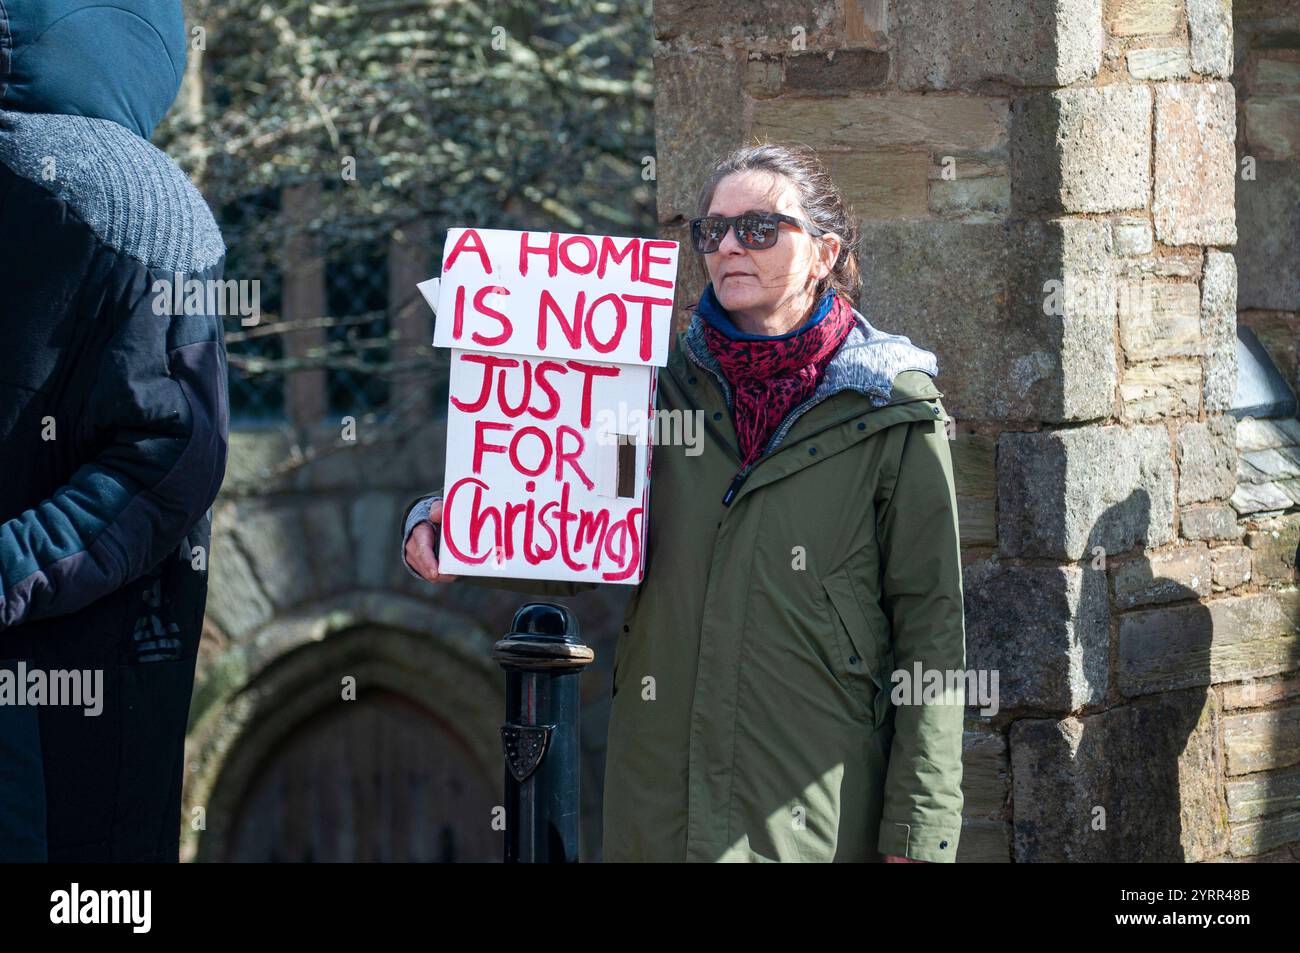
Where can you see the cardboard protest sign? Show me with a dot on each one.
(556, 340)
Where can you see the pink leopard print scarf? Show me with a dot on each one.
(769, 378)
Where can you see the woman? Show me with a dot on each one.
(806, 554)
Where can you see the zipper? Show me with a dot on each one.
(773, 442)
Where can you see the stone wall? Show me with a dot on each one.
(1047, 195)
(1267, 78)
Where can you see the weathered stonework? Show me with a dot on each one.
(1142, 17)
(1082, 150)
(965, 43)
(985, 785)
(1160, 63)
(944, 124)
(1172, 575)
(1262, 740)
(1161, 389)
(1273, 544)
(1210, 25)
(1042, 629)
(1195, 165)
(1231, 567)
(1132, 236)
(1273, 126)
(1268, 252)
(1208, 522)
(1219, 329)
(1207, 460)
(1065, 492)
(834, 72)
(700, 114)
(1159, 319)
(1162, 650)
(1137, 783)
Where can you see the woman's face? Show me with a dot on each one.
(769, 289)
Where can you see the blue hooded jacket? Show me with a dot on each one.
(113, 420)
(60, 55)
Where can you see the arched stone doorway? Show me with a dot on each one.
(407, 770)
(376, 779)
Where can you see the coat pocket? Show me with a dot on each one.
(862, 661)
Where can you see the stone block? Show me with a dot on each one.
(881, 185)
(1132, 236)
(967, 42)
(985, 784)
(1262, 740)
(1210, 25)
(835, 72)
(1044, 347)
(1062, 493)
(237, 603)
(1062, 286)
(768, 25)
(1137, 783)
(1171, 575)
(1042, 629)
(1270, 792)
(1142, 17)
(1273, 127)
(1160, 63)
(943, 124)
(1230, 567)
(1273, 544)
(1209, 522)
(272, 538)
(1207, 460)
(1265, 834)
(1226, 640)
(1082, 150)
(866, 22)
(983, 199)
(1161, 389)
(1195, 164)
(939, 283)
(1159, 319)
(1268, 250)
(1219, 329)
(699, 115)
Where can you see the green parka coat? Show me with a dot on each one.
(752, 717)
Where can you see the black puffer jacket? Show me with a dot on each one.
(112, 427)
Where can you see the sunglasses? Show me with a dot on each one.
(754, 230)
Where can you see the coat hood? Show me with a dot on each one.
(120, 60)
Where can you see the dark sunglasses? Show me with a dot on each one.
(754, 230)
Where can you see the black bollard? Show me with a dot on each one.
(543, 656)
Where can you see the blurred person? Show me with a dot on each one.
(113, 417)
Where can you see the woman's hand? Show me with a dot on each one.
(895, 859)
(419, 547)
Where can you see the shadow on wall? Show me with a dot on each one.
(1140, 775)
(1134, 776)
